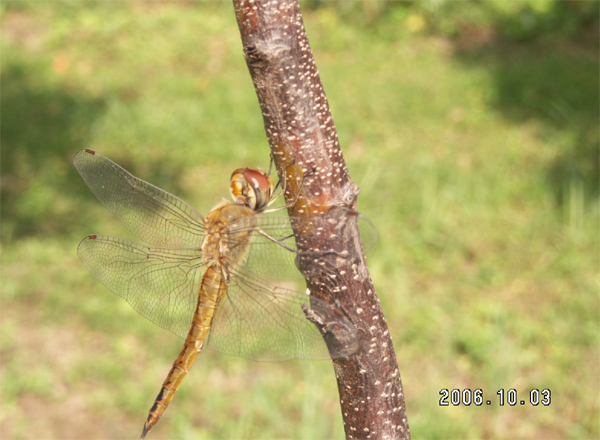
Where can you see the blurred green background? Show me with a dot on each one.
(472, 129)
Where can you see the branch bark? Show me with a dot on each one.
(308, 157)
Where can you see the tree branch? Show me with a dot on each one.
(307, 154)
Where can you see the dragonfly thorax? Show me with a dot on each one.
(229, 229)
(251, 188)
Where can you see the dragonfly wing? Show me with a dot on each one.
(161, 284)
(151, 213)
(368, 233)
(263, 322)
(272, 254)
(273, 251)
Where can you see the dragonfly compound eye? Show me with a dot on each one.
(252, 188)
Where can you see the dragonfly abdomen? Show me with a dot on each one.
(212, 287)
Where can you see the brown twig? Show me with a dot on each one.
(307, 154)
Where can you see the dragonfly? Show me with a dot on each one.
(217, 279)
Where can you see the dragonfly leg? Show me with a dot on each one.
(279, 242)
(288, 205)
(271, 162)
(274, 199)
(283, 188)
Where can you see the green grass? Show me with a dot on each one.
(478, 165)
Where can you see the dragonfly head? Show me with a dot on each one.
(251, 188)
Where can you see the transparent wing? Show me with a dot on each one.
(254, 318)
(281, 226)
(263, 322)
(368, 233)
(273, 251)
(161, 284)
(154, 215)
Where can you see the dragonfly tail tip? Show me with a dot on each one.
(145, 431)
